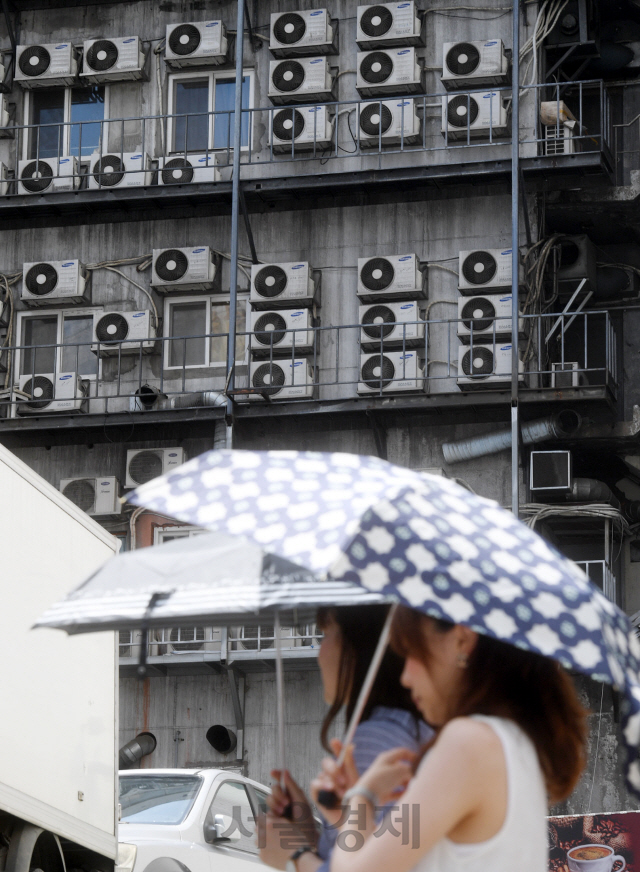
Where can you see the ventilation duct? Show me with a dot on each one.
(221, 739)
(562, 425)
(589, 490)
(195, 400)
(134, 750)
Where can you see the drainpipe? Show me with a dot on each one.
(562, 425)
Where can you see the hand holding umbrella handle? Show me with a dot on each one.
(328, 799)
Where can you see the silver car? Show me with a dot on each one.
(188, 820)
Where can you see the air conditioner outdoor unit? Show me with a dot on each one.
(391, 372)
(567, 375)
(388, 24)
(281, 285)
(53, 282)
(257, 638)
(474, 64)
(391, 325)
(127, 641)
(5, 119)
(393, 71)
(195, 43)
(392, 277)
(558, 139)
(51, 392)
(282, 379)
(4, 181)
(485, 366)
(484, 268)
(285, 330)
(477, 115)
(95, 496)
(117, 333)
(486, 319)
(127, 170)
(39, 66)
(302, 33)
(388, 122)
(145, 464)
(189, 168)
(184, 639)
(109, 60)
(300, 81)
(307, 128)
(183, 269)
(46, 175)
(550, 471)
(577, 261)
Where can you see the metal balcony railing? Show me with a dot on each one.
(133, 151)
(558, 352)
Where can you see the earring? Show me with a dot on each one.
(462, 661)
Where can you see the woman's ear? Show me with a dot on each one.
(466, 640)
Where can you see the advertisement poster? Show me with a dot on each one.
(595, 842)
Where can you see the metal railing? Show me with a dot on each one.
(558, 352)
(133, 151)
(601, 575)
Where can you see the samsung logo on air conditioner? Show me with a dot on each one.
(319, 12)
(505, 299)
(507, 251)
(407, 306)
(131, 39)
(317, 61)
(197, 251)
(404, 103)
(173, 454)
(64, 377)
(297, 363)
(136, 156)
(506, 348)
(296, 314)
(298, 266)
(404, 51)
(406, 257)
(403, 5)
(212, 24)
(315, 109)
(105, 483)
(64, 45)
(138, 315)
(407, 356)
(64, 160)
(489, 96)
(70, 263)
(493, 42)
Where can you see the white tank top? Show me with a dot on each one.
(521, 843)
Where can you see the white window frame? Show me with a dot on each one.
(211, 76)
(210, 301)
(26, 112)
(60, 314)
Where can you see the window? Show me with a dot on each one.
(232, 801)
(198, 327)
(57, 341)
(201, 109)
(170, 534)
(67, 119)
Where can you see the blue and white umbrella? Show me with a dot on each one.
(421, 540)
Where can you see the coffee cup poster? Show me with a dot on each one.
(595, 843)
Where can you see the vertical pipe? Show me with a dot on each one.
(515, 241)
(282, 762)
(235, 213)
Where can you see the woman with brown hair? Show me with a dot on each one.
(510, 739)
(390, 718)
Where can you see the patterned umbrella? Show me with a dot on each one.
(421, 540)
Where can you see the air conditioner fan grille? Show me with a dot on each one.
(187, 638)
(41, 279)
(376, 21)
(252, 639)
(184, 39)
(36, 176)
(376, 119)
(462, 110)
(478, 361)
(289, 28)
(478, 314)
(270, 281)
(177, 171)
(463, 59)
(377, 274)
(270, 329)
(34, 61)
(171, 265)
(144, 466)
(41, 389)
(268, 378)
(109, 170)
(288, 124)
(479, 267)
(376, 67)
(102, 55)
(378, 372)
(112, 327)
(288, 76)
(378, 322)
(81, 492)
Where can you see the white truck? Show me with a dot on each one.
(58, 694)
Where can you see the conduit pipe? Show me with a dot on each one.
(590, 490)
(562, 425)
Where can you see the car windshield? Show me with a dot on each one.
(157, 799)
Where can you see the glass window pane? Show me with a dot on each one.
(232, 801)
(47, 107)
(192, 107)
(188, 320)
(78, 330)
(220, 325)
(87, 105)
(225, 101)
(37, 332)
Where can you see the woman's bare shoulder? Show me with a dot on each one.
(469, 740)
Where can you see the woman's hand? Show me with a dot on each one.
(275, 836)
(334, 779)
(294, 797)
(389, 774)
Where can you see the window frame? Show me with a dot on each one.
(93, 311)
(66, 143)
(211, 76)
(159, 533)
(211, 300)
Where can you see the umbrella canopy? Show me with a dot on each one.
(214, 577)
(421, 540)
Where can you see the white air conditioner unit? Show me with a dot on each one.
(389, 278)
(487, 318)
(287, 330)
(301, 129)
(300, 81)
(5, 119)
(128, 640)
(567, 375)
(391, 325)
(51, 392)
(127, 170)
(39, 66)
(390, 372)
(482, 114)
(281, 285)
(95, 496)
(53, 282)
(184, 639)
(183, 269)
(188, 169)
(388, 24)
(144, 464)
(281, 379)
(487, 365)
(474, 64)
(558, 140)
(109, 60)
(388, 122)
(117, 333)
(302, 32)
(484, 268)
(46, 175)
(392, 71)
(195, 43)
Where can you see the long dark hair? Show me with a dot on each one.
(503, 680)
(360, 629)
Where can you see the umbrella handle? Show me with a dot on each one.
(328, 799)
